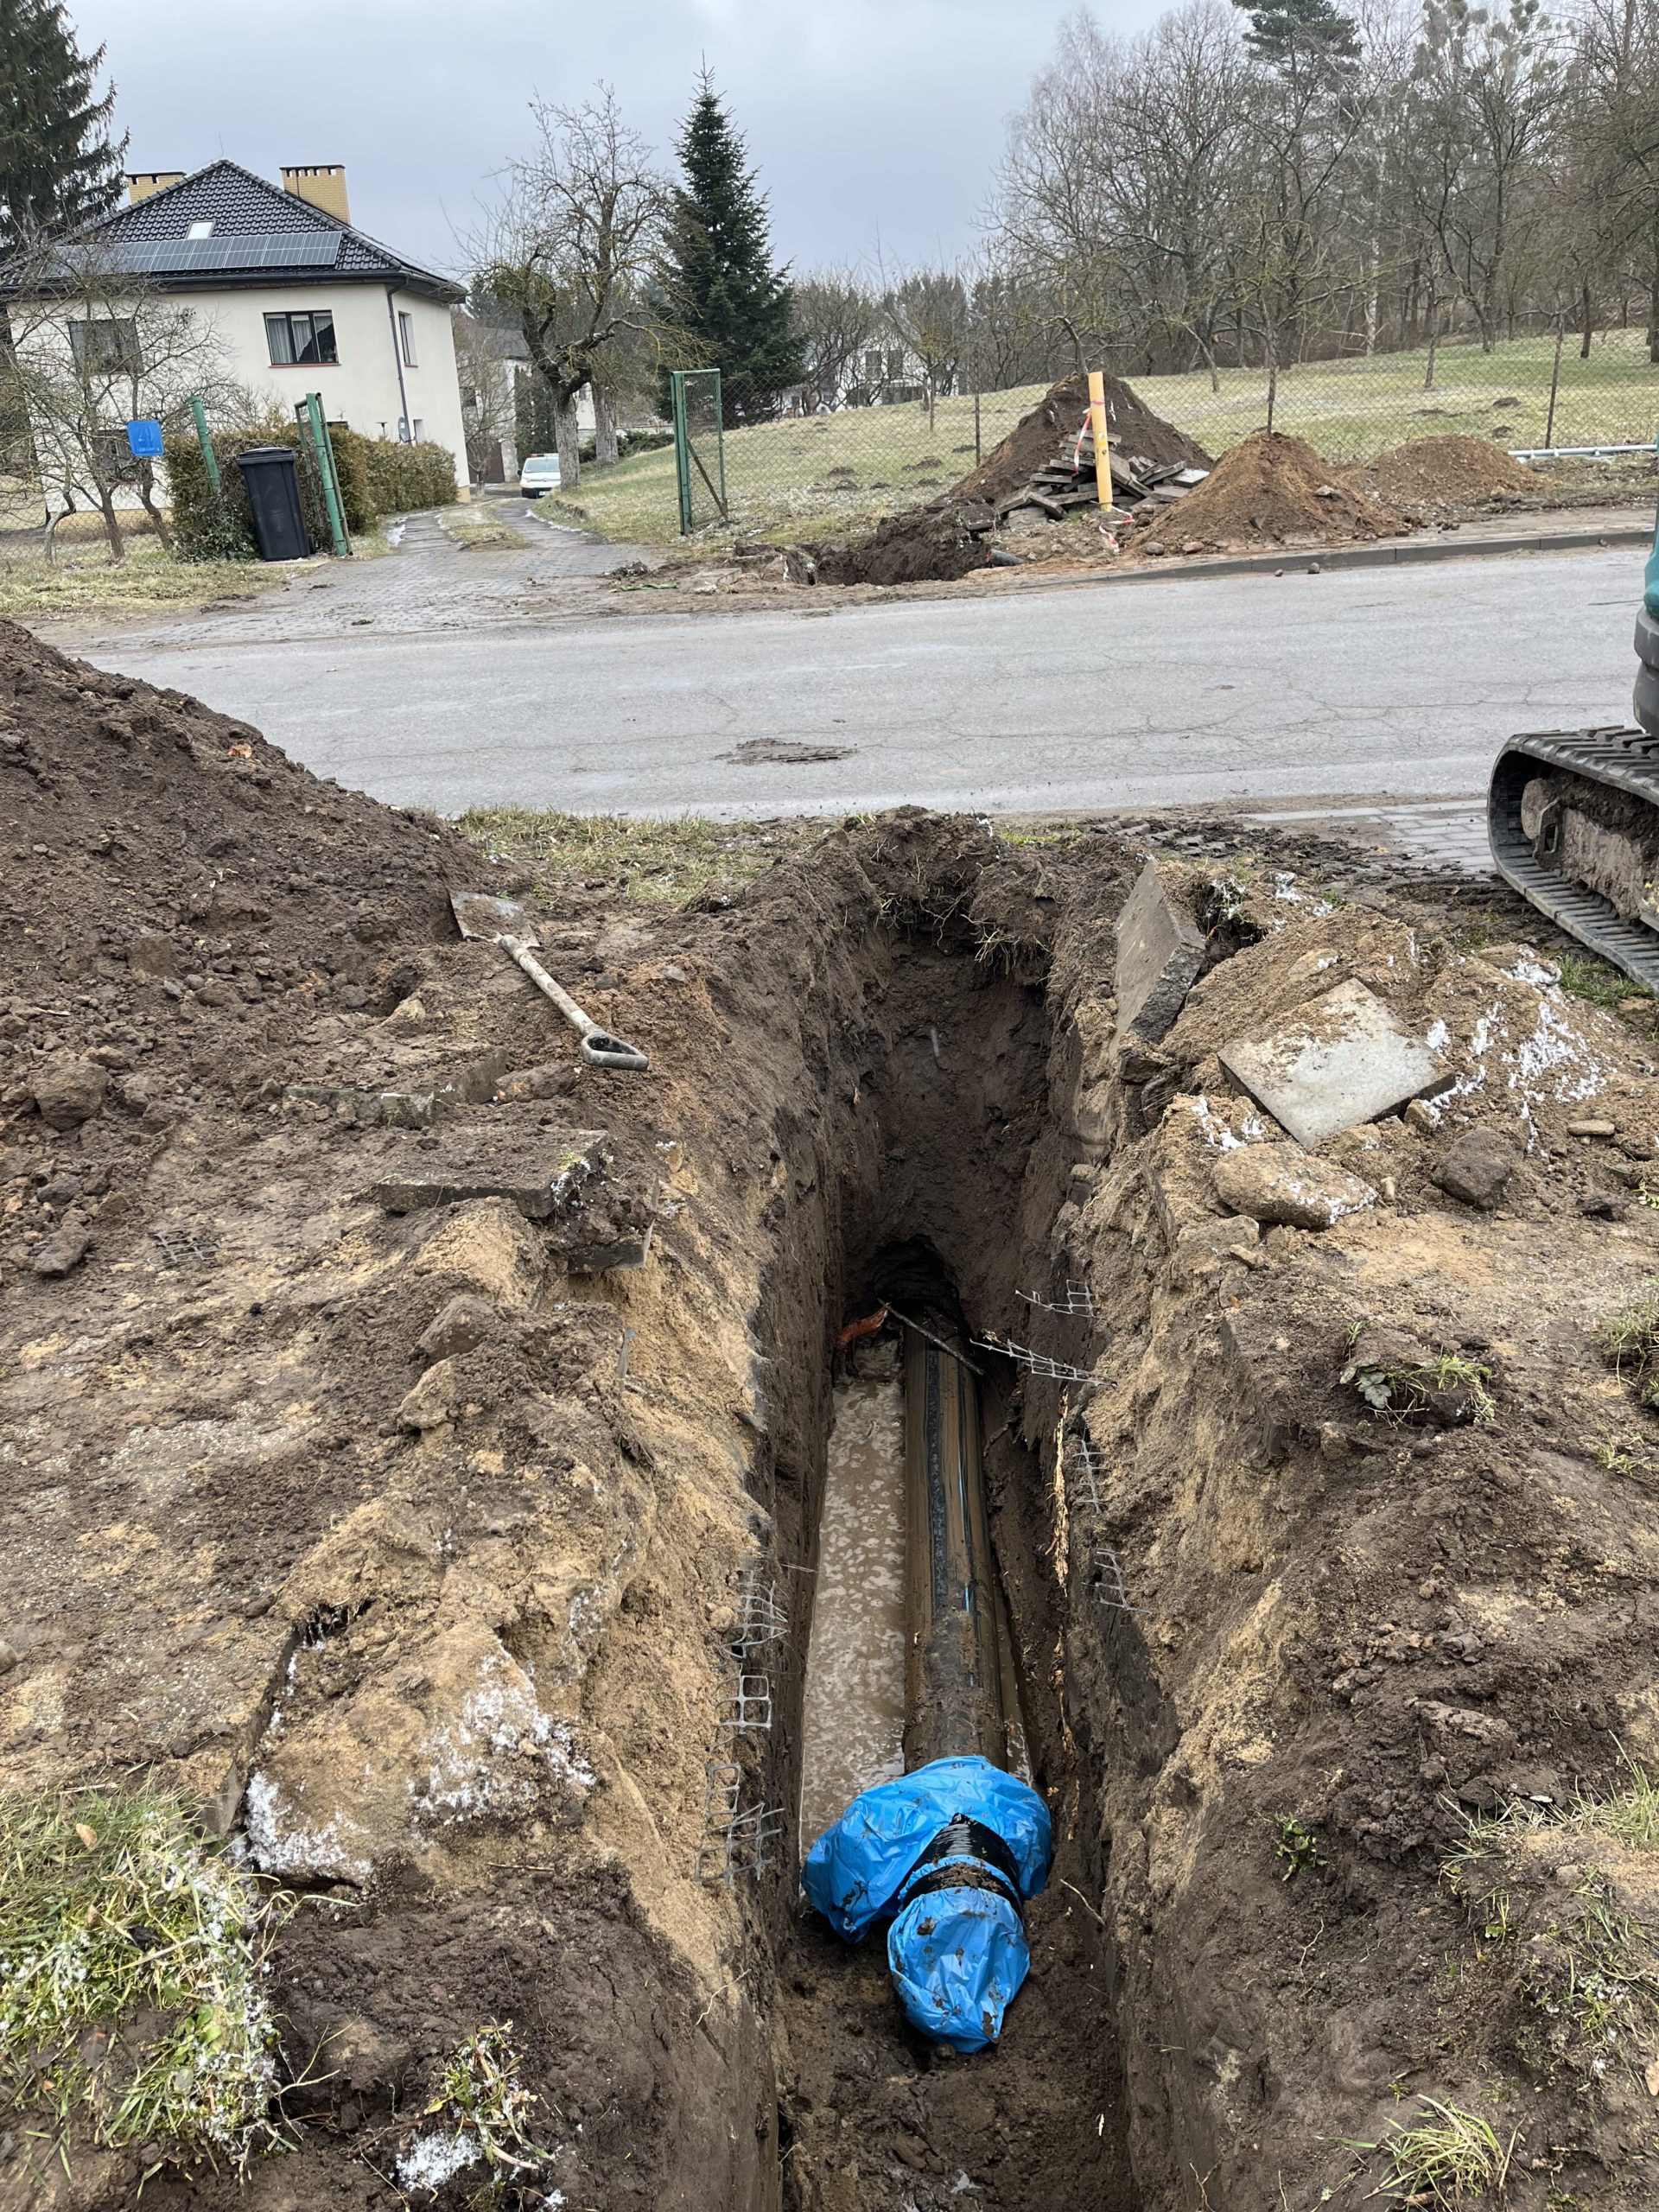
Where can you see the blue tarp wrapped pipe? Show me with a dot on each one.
(957, 1953)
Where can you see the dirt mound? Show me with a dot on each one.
(1276, 490)
(945, 539)
(1136, 434)
(155, 842)
(1450, 470)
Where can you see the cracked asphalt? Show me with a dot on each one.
(446, 677)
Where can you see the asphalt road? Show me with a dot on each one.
(1389, 682)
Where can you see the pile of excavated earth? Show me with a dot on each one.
(1033, 498)
(409, 1433)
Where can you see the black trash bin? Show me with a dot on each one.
(272, 475)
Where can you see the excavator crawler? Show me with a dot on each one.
(1573, 818)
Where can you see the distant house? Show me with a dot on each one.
(299, 299)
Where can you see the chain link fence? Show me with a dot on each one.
(814, 476)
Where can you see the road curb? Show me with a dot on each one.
(1406, 554)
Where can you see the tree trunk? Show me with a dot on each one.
(569, 438)
(1588, 318)
(1433, 320)
(1653, 292)
(605, 452)
(111, 523)
(157, 519)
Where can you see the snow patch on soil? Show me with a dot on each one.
(280, 1844)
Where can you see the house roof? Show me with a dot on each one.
(261, 235)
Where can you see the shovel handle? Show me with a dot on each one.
(599, 1047)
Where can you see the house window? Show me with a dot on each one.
(201, 230)
(295, 339)
(406, 338)
(108, 348)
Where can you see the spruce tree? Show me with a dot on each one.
(58, 166)
(727, 291)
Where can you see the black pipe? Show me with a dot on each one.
(954, 1704)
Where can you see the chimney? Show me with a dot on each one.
(320, 184)
(142, 182)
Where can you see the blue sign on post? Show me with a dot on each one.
(144, 438)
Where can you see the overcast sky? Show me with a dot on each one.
(873, 123)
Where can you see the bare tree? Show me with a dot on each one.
(576, 248)
(1617, 115)
(927, 312)
(90, 348)
(837, 317)
(1484, 92)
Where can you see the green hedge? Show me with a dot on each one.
(377, 477)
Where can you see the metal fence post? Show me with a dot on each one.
(209, 458)
(330, 475)
(682, 450)
(1554, 384)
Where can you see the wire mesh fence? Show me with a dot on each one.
(814, 476)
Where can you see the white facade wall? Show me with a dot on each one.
(362, 389)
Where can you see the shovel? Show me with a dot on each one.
(503, 922)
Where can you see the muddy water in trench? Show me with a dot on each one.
(853, 1711)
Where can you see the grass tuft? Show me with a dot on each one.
(132, 2004)
(1628, 1341)
(478, 2116)
(1451, 2157)
(655, 861)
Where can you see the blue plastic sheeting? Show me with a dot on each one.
(853, 1871)
(958, 1958)
(956, 1955)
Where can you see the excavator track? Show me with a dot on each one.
(1622, 761)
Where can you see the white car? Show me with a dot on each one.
(539, 474)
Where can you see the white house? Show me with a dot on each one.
(299, 300)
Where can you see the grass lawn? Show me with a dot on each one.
(83, 579)
(659, 862)
(811, 477)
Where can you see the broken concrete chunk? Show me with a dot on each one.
(539, 1176)
(66, 1249)
(1344, 1059)
(1160, 952)
(69, 1091)
(1476, 1169)
(1280, 1185)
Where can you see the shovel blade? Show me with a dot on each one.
(494, 919)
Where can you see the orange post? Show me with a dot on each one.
(1097, 426)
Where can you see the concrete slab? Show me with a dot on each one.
(540, 1178)
(1160, 952)
(1344, 1059)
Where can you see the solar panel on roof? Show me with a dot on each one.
(254, 250)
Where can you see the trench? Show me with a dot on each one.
(939, 1203)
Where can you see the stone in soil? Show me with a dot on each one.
(69, 1091)
(1477, 1169)
(541, 1177)
(1344, 1059)
(1160, 952)
(62, 1252)
(1281, 1185)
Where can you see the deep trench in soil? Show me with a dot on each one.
(957, 1171)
